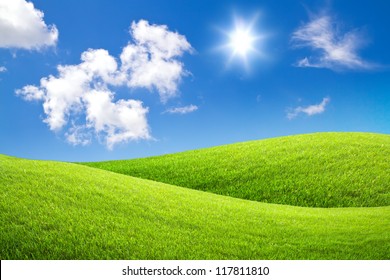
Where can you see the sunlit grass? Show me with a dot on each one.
(52, 210)
(315, 170)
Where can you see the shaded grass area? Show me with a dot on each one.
(52, 210)
(314, 170)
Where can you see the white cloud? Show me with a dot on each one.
(182, 110)
(31, 93)
(22, 26)
(83, 90)
(3, 69)
(309, 110)
(81, 97)
(119, 121)
(151, 62)
(335, 50)
(78, 135)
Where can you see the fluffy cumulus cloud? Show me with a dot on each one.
(83, 91)
(151, 61)
(334, 50)
(22, 26)
(3, 69)
(81, 98)
(182, 110)
(121, 121)
(309, 110)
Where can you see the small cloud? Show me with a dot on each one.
(182, 110)
(78, 135)
(305, 63)
(336, 50)
(22, 26)
(309, 110)
(30, 93)
(3, 69)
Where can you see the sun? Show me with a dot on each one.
(244, 42)
(241, 41)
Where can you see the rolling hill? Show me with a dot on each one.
(55, 210)
(312, 170)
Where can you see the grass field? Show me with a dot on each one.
(54, 210)
(314, 170)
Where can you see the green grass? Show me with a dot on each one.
(54, 210)
(51, 210)
(314, 170)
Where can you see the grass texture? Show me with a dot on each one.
(313, 170)
(54, 210)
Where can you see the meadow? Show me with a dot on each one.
(56, 210)
(313, 170)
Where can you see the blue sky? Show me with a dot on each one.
(99, 80)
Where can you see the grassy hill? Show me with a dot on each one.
(314, 170)
(53, 210)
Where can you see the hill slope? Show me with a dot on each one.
(52, 210)
(315, 170)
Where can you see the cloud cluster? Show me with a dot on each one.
(81, 97)
(22, 26)
(182, 110)
(335, 50)
(309, 110)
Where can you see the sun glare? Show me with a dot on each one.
(241, 41)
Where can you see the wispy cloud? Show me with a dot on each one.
(309, 110)
(87, 90)
(22, 26)
(3, 69)
(182, 110)
(334, 50)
